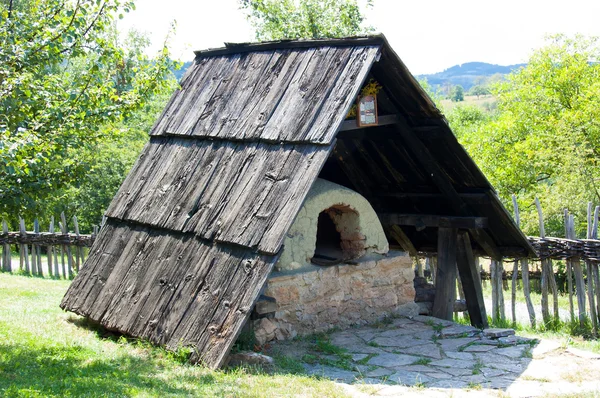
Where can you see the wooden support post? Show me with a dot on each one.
(445, 284)
(471, 282)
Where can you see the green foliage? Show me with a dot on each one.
(65, 79)
(479, 90)
(45, 352)
(457, 93)
(310, 19)
(545, 139)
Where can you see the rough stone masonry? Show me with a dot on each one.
(319, 298)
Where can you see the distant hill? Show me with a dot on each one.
(467, 74)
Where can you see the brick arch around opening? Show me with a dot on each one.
(353, 216)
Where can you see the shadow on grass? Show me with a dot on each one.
(77, 371)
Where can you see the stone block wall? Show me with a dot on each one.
(320, 298)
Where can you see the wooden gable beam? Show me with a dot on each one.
(383, 120)
(425, 220)
(442, 181)
(474, 198)
(399, 236)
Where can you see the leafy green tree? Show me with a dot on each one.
(292, 19)
(545, 141)
(457, 93)
(64, 77)
(479, 90)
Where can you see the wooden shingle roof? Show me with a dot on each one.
(198, 224)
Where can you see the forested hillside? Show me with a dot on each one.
(468, 74)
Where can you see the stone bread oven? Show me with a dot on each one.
(336, 269)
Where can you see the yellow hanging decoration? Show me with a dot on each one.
(371, 88)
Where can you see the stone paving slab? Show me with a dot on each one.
(424, 356)
(391, 360)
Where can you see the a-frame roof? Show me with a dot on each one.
(197, 226)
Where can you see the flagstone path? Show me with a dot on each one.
(426, 356)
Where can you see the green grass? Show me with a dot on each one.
(45, 352)
(569, 334)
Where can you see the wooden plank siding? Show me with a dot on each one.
(235, 192)
(170, 288)
(269, 95)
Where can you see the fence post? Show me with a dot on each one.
(545, 278)
(6, 256)
(49, 249)
(77, 248)
(595, 270)
(579, 280)
(569, 269)
(590, 274)
(23, 249)
(37, 251)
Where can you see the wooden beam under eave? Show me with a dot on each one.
(428, 220)
(383, 120)
(443, 183)
(399, 236)
(471, 198)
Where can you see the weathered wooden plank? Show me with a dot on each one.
(268, 93)
(235, 93)
(445, 281)
(292, 193)
(105, 253)
(188, 86)
(194, 103)
(304, 97)
(342, 95)
(169, 299)
(201, 291)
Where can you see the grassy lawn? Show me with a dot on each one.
(568, 334)
(45, 352)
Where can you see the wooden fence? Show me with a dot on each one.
(63, 252)
(582, 275)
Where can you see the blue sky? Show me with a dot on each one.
(429, 36)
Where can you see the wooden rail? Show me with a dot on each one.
(56, 254)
